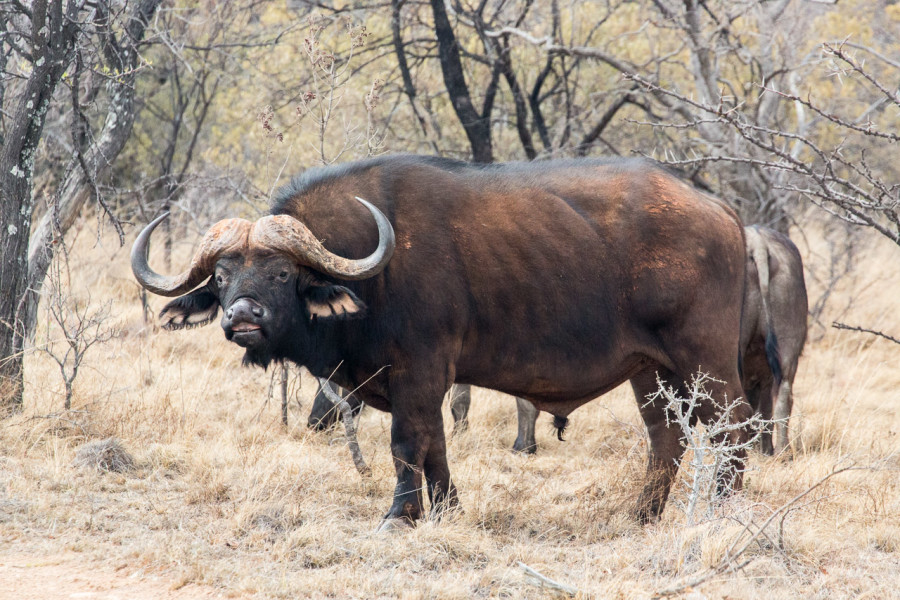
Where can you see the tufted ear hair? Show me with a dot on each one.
(332, 302)
(196, 309)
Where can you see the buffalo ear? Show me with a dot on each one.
(191, 310)
(333, 302)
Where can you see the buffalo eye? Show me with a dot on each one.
(283, 275)
(219, 280)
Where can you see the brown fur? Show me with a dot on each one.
(554, 281)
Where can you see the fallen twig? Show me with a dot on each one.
(547, 582)
(349, 427)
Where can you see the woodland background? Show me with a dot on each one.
(113, 111)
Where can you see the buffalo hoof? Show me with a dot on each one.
(785, 454)
(646, 516)
(460, 427)
(523, 449)
(394, 524)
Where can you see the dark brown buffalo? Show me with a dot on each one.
(773, 331)
(553, 281)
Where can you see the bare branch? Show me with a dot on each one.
(349, 427)
(838, 325)
(545, 581)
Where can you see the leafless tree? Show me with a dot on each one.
(742, 117)
(847, 178)
(45, 44)
(552, 104)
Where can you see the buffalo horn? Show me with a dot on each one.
(223, 236)
(288, 235)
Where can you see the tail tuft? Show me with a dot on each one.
(560, 423)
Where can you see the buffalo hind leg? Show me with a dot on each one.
(784, 402)
(527, 416)
(666, 443)
(460, 399)
(760, 399)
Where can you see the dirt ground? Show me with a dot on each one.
(67, 576)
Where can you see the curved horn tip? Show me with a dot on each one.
(146, 276)
(386, 237)
(161, 217)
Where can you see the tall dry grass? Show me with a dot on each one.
(220, 493)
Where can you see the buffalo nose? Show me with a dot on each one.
(244, 309)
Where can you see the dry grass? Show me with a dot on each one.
(220, 494)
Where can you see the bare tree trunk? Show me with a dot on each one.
(477, 126)
(52, 36)
(80, 181)
(515, 89)
(408, 87)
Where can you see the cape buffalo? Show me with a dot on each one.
(773, 331)
(554, 281)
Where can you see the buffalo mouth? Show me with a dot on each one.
(245, 334)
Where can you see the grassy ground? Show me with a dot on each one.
(224, 500)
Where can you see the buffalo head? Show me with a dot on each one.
(268, 276)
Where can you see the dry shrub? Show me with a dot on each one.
(107, 455)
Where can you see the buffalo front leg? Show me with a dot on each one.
(527, 416)
(408, 449)
(419, 451)
(441, 491)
